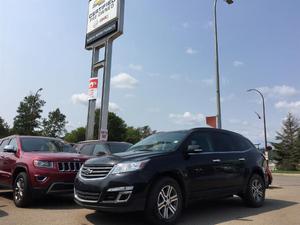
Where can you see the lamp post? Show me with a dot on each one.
(264, 119)
(219, 118)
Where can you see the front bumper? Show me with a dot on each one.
(115, 193)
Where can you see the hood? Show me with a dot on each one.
(55, 157)
(124, 157)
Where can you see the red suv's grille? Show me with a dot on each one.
(69, 166)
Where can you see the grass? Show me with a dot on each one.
(287, 171)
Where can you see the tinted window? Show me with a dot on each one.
(100, 148)
(200, 139)
(164, 141)
(118, 147)
(13, 142)
(87, 149)
(44, 145)
(240, 143)
(3, 144)
(221, 142)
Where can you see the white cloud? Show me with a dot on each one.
(83, 99)
(293, 107)
(136, 67)
(124, 81)
(208, 81)
(279, 91)
(185, 25)
(175, 76)
(227, 98)
(208, 24)
(154, 110)
(187, 118)
(238, 63)
(191, 51)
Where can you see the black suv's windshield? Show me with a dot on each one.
(164, 141)
(31, 144)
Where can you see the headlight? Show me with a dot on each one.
(128, 167)
(43, 164)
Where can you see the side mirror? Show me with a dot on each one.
(9, 149)
(269, 148)
(194, 149)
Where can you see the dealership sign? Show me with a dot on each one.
(105, 20)
(93, 87)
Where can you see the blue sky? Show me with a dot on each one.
(163, 65)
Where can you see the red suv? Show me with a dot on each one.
(35, 166)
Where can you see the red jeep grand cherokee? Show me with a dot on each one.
(34, 166)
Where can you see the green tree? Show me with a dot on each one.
(4, 128)
(76, 135)
(286, 148)
(28, 117)
(55, 125)
(133, 135)
(116, 127)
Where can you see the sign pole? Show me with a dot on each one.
(103, 134)
(92, 102)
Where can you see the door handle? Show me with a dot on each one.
(242, 159)
(216, 160)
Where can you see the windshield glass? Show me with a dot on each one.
(165, 141)
(45, 145)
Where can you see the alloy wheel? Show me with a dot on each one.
(19, 189)
(257, 190)
(167, 202)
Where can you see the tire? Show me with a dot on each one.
(254, 195)
(21, 190)
(167, 193)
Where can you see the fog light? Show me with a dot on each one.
(41, 178)
(117, 189)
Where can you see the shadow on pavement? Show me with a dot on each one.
(204, 212)
(55, 202)
(2, 213)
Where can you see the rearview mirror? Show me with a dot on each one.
(194, 149)
(100, 153)
(10, 149)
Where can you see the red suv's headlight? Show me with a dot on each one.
(43, 164)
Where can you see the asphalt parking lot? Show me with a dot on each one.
(282, 207)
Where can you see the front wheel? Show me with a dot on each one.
(21, 190)
(164, 203)
(255, 191)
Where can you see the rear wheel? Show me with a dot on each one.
(254, 195)
(164, 203)
(21, 190)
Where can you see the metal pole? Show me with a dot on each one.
(264, 119)
(219, 118)
(92, 103)
(103, 132)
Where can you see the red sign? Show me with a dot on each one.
(211, 121)
(93, 88)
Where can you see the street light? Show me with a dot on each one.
(217, 64)
(39, 90)
(264, 119)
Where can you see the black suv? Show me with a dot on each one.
(164, 172)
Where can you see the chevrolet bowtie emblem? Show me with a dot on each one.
(98, 2)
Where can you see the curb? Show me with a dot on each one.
(286, 174)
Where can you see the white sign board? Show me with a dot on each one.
(105, 20)
(100, 13)
(93, 88)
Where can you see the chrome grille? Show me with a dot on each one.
(91, 172)
(69, 166)
(87, 196)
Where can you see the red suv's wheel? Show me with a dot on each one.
(21, 190)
